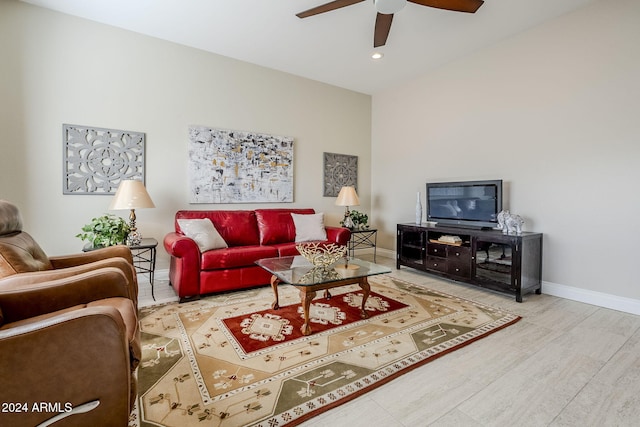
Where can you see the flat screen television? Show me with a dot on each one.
(466, 203)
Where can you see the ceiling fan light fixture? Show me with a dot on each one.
(388, 7)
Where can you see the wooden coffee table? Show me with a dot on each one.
(301, 274)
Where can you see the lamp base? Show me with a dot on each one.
(134, 238)
(348, 222)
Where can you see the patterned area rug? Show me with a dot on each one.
(230, 360)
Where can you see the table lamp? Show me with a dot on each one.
(131, 194)
(347, 197)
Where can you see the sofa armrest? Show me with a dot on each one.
(184, 267)
(73, 358)
(20, 299)
(338, 235)
(181, 246)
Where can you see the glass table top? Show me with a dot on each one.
(296, 270)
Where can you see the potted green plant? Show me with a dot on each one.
(106, 230)
(359, 219)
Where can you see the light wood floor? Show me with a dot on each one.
(564, 364)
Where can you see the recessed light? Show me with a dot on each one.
(376, 55)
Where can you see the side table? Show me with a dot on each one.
(363, 238)
(144, 258)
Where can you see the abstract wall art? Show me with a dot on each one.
(95, 160)
(339, 170)
(228, 166)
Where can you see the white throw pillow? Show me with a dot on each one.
(309, 227)
(203, 232)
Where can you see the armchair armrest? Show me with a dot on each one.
(73, 358)
(65, 261)
(49, 275)
(339, 235)
(20, 300)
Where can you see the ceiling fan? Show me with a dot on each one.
(386, 9)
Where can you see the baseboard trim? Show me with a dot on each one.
(600, 299)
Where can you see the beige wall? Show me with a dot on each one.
(554, 112)
(58, 69)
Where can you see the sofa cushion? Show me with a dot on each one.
(203, 233)
(309, 227)
(276, 225)
(238, 256)
(237, 228)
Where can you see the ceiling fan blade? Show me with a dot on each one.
(469, 6)
(328, 7)
(383, 26)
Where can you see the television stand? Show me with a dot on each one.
(506, 263)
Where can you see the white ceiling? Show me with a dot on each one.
(333, 47)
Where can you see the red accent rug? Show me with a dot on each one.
(230, 360)
(253, 332)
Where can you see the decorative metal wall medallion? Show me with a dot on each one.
(339, 170)
(227, 166)
(97, 159)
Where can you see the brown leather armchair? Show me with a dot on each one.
(69, 337)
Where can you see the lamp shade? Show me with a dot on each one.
(131, 194)
(347, 197)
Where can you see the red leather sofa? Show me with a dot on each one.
(250, 235)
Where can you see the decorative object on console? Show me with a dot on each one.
(132, 195)
(96, 160)
(347, 197)
(340, 170)
(450, 240)
(321, 255)
(107, 230)
(227, 166)
(418, 209)
(510, 223)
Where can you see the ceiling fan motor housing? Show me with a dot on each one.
(389, 7)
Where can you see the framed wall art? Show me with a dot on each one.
(339, 170)
(95, 160)
(228, 166)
